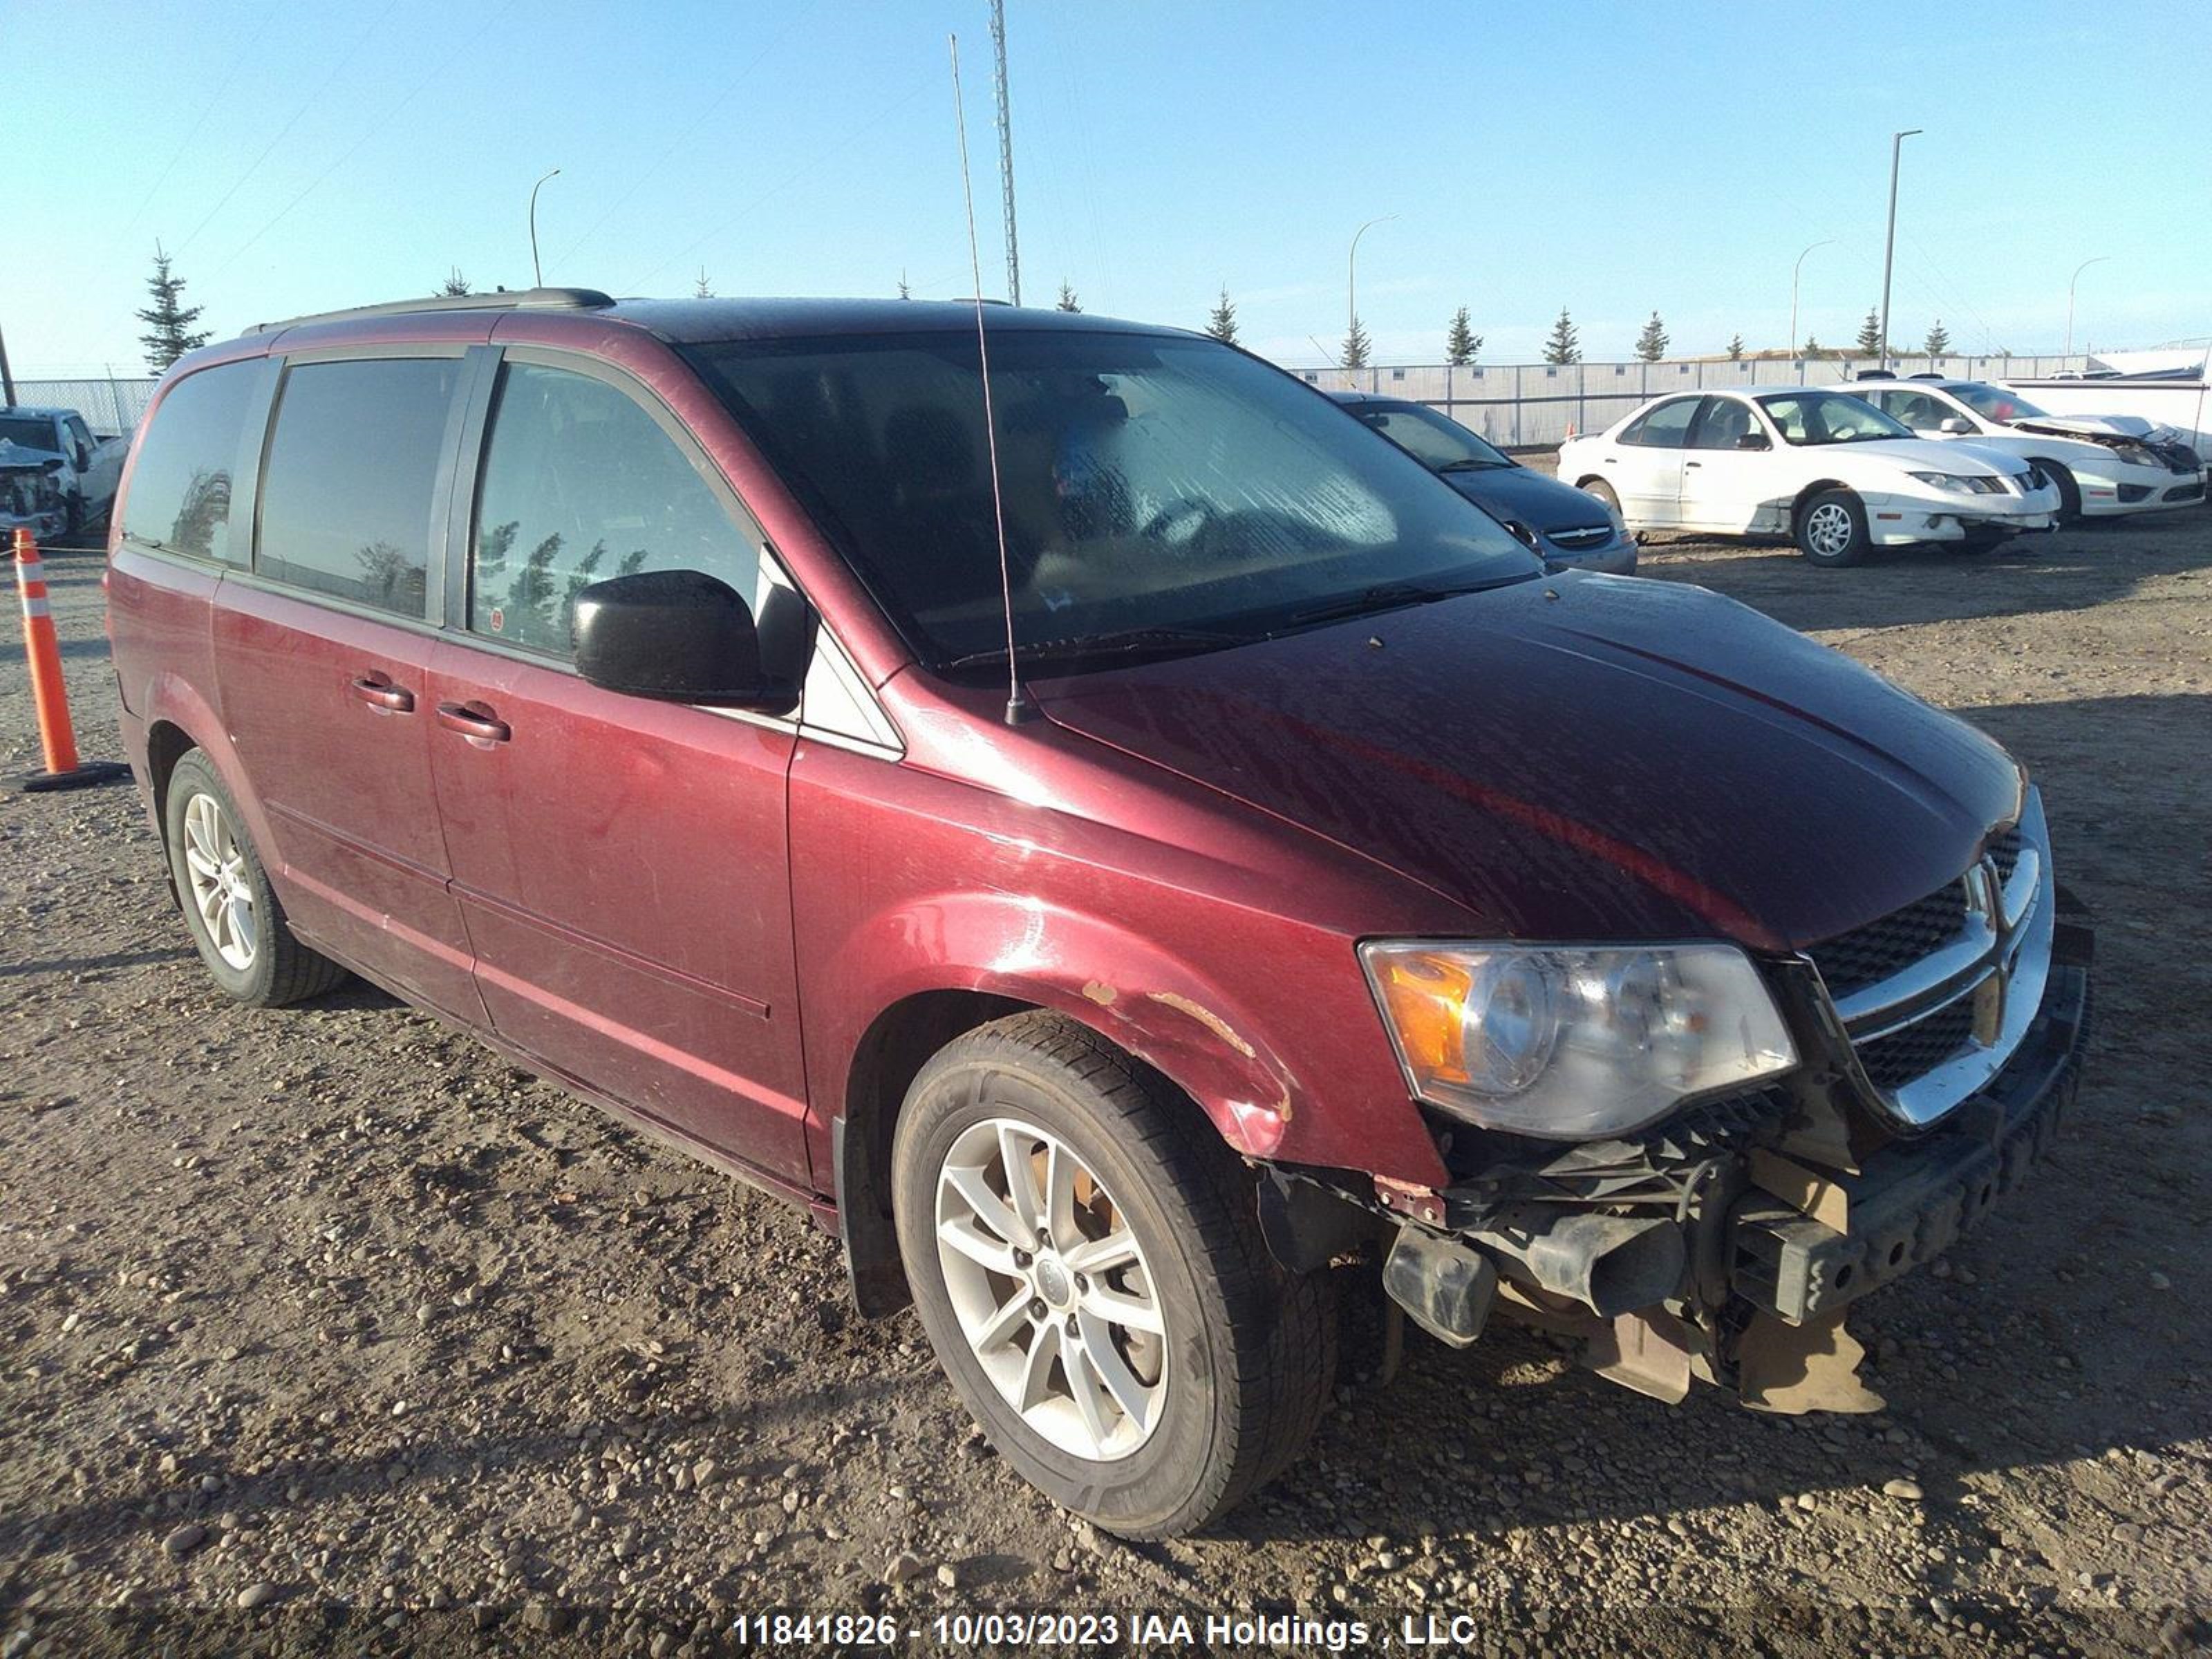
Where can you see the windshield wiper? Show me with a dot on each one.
(1391, 596)
(1471, 464)
(1121, 643)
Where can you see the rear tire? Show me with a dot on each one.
(1832, 529)
(230, 909)
(1184, 1422)
(2070, 491)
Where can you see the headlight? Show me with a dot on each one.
(1949, 481)
(1570, 1042)
(2135, 456)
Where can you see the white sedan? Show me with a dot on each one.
(2101, 464)
(1825, 468)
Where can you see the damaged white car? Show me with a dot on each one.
(2102, 464)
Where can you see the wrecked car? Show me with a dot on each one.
(2102, 464)
(85, 467)
(1138, 858)
(30, 495)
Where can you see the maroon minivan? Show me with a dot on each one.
(1135, 857)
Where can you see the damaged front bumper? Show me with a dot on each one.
(1726, 1245)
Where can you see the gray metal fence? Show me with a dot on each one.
(108, 406)
(1535, 406)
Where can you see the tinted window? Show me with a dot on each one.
(1667, 427)
(580, 483)
(346, 496)
(1438, 442)
(1723, 423)
(29, 432)
(179, 497)
(1150, 483)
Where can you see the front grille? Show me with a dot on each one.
(1866, 956)
(1895, 1060)
(2004, 851)
(1580, 538)
(2131, 494)
(2179, 458)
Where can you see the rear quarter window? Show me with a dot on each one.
(349, 489)
(180, 485)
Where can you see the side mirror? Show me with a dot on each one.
(677, 636)
(1752, 440)
(1957, 425)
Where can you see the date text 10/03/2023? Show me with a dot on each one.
(1021, 1630)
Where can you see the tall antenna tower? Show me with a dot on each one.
(1005, 150)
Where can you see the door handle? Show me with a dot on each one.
(378, 691)
(466, 720)
(1694, 464)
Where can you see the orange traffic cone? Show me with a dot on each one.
(56, 736)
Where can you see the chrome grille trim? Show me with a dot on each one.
(2000, 960)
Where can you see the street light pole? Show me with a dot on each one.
(2078, 269)
(1889, 242)
(1793, 270)
(537, 276)
(1352, 275)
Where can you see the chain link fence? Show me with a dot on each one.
(108, 404)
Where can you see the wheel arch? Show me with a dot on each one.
(1820, 486)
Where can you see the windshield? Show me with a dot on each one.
(1829, 417)
(31, 431)
(1994, 403)
(1436, 441)
(1150, 484)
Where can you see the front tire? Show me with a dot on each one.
(2069, 490)
(1832, 529)
(1086, 1256)
(1602, 491)
(230, 909)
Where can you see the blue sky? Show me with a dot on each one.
(1614, 159)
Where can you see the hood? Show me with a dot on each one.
(2091, 426)
(14, 455)
(1582, 757)
(1545, 505)
(1929, 455)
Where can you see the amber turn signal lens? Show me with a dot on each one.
(1426, 999)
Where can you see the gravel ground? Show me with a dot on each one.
(324, 1329)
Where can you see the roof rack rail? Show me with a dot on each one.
(525, 299)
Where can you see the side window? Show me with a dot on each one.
(346, 496)
(1667, 427)
(81, 435)
(1724, 422)
(179, 499)
(1915, 408)
(580, 483)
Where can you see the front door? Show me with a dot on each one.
(1729, 480)
(621, 862)
(324, 651)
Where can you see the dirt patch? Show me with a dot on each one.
(326, 1329)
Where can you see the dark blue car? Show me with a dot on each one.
(1569, 528)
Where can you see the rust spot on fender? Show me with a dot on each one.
(1206, 1017)
(1101, 992)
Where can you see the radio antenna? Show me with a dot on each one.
(1019, 706)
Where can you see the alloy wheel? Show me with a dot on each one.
(1051, 1289)
(1829, 528)
(221, 891)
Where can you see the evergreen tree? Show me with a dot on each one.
(455, 285)
(703, 290)
(1565, 346)
(1067, 300)
(1356, 346)
(1222, 324)
(1735, 347)
(1651, 344)
(1869, 340)
(1938, 342)
(1462, 345)
(168, 317)
(1810, 348)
